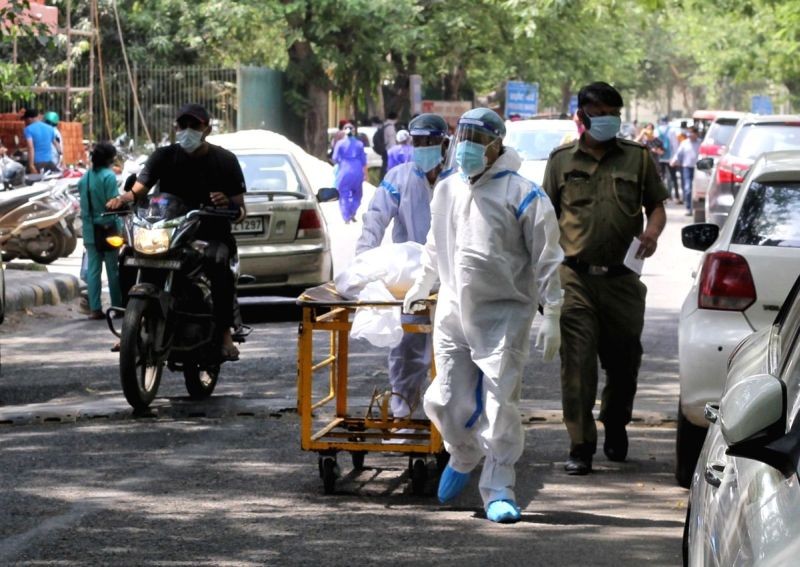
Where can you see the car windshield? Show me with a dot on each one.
(770, 216)
(755, 139)
(267, 173)
(536, 144)
(720, 133)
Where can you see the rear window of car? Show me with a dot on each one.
(267, 173)
(720, 132)
(537, 144)
(755, 139)
(770, 216)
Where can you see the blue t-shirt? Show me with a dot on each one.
(42, 135)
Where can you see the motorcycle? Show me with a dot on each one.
(169, 319)
(33, 224)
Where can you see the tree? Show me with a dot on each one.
(17, 78)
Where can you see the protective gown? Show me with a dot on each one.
(404, 195)
(349, 155)
(495, 247)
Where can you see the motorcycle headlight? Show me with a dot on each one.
(151, 240)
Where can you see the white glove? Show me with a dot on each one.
(420, 290)
(549, 336)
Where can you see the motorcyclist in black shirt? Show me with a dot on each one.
(201, 174)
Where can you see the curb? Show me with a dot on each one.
(26, 289)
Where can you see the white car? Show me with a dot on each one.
(744, 502)
(284, 244)
(739, 286)
(535, 139)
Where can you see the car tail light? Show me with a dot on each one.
(726, 283)
(730, 172)
(310, 225)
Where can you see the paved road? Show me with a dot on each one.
(224, 482)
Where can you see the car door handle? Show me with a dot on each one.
(711, 412)
(714, 473)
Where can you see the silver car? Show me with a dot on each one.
(744, 503)
(283, 242)
(754, 135)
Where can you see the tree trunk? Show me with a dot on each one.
(315, 131)
(566, 94)
(308, 80)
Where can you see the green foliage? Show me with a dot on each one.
(17, 78)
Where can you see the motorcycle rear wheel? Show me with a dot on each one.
(200, 383)
(70, 242)
(55, 246)
(139, 373)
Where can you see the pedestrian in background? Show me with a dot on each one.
(402, 152)
(648, 137)
(686, 159)
(493, 245)
(388, 138)
(668, 174)
(598, 186)
(51, 119)
(96, 188)
(351, 160)
(40, 138)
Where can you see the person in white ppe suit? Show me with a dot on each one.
(404, 197)
(494, 246)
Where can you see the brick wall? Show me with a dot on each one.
(71, 135)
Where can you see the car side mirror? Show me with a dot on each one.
(699, 236)
(752, 418)
(327, 194)
(705, 164)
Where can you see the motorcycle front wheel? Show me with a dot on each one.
(200, 383)
(139, 368)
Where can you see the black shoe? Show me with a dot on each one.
(578, 466)
(615, 445)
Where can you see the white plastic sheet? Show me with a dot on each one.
(381, 274)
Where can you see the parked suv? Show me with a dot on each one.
(718, 128)
(754, 135)
(739, 286)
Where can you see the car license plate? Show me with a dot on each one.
(250, 225)
(153, 263)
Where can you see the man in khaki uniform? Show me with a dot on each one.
(599, 185)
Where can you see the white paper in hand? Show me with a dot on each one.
(631, 261)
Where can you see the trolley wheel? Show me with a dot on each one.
(358, 459)
(442, 458)
(419, 477)
(330, 472)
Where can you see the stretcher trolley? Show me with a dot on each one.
(328, 423)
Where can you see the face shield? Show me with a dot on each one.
(428, 134)
(468, 149)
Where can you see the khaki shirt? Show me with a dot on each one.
(599, 203)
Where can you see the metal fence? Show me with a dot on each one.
(161, 91)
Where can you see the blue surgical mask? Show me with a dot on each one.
(604, 128)
(189, 139)
(428, 157)
(471, 157)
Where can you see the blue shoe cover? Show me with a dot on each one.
(503, 512)
(451, 483)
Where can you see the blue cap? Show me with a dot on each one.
(428, 124)
(485, 119)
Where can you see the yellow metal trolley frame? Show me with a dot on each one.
(325, 311)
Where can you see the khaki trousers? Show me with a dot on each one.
(602, 317)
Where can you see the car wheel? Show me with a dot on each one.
(689, 440)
